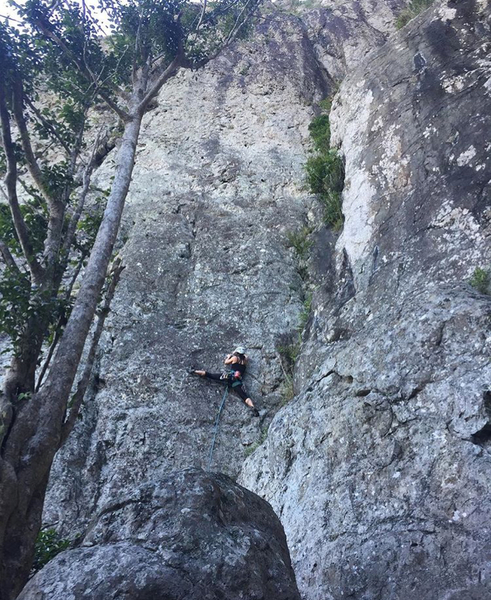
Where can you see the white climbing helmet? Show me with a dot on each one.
(240, 350)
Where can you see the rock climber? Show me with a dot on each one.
(235, 366)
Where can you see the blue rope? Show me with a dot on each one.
(217, 422)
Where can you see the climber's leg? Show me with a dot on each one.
(203, 373)
(240, 391)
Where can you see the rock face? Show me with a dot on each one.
(379, 467)
(192, 536)
(384, 453)
(217, 191)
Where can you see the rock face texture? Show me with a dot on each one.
(189, 536)
(380, 467)
(217, 191)
(343, 32)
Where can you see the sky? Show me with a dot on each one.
(7, 11)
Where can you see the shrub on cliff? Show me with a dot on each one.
(325, 169)
(480, 280)
(412, 11)
(48, 545)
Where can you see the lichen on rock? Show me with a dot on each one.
(385, 450)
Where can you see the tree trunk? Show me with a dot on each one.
(35, 433)
(60, 379)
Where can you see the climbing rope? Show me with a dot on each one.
(217, 422)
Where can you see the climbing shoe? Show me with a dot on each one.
(255, 412)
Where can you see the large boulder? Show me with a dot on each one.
(189, 536)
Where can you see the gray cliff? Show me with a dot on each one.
(379, 466)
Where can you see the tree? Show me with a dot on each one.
(150, 41)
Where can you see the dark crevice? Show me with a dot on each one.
(416, 391)
(487, 402)
(483, 436)
(104, 149)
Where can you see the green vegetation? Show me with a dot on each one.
(480, 280)
(288, 390)
(413, 10)
(253, 447)
(320, 132)
(300, 241)
(289, 351)
(48, 545)
(290, 348)
(326, 104)
(19, 304)
(305, 314)
(325, 176)
(325, 169)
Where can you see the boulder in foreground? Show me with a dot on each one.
(191, 535)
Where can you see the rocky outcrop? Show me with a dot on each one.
(343, 32)
(217, 191)
(384, 453)
(191, 535)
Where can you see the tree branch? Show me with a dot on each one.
(134, 67)
(11, 185)
(247, 11)
(61, 322)
(201, 16)
(56, 204)
(82, 67)
(57, 211)
(122, 114)
(83, 383)
(32, 164)
(72, 226)
(155, 86)
(46, 123)
(7, 257)
(239, 22)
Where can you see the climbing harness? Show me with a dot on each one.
(217, 422)
(232, 376)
